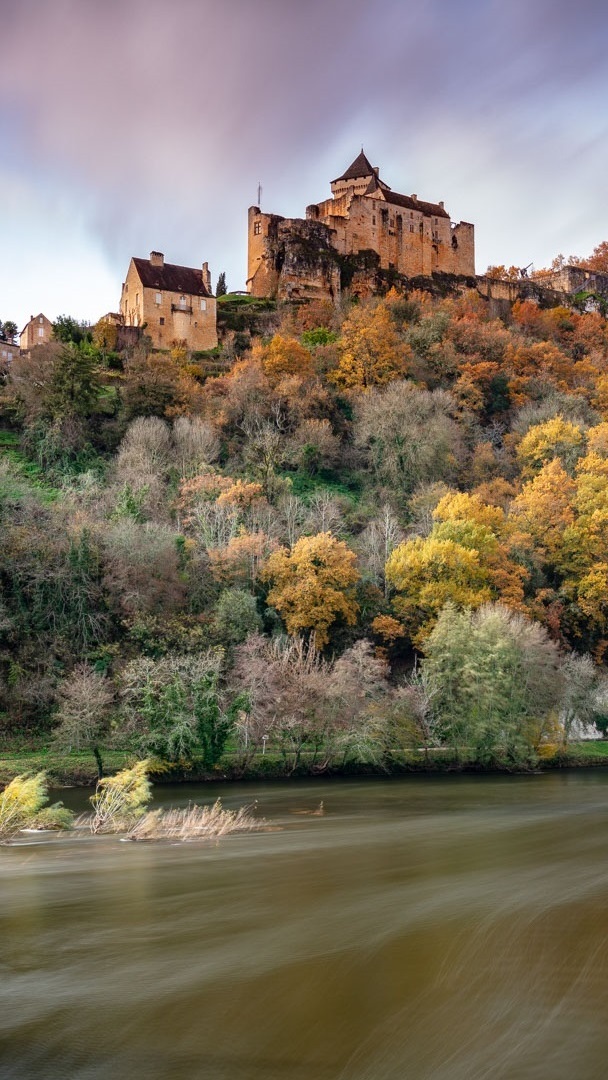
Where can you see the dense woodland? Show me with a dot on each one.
(373, 529)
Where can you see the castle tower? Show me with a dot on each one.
(356, 178)
(262, 276)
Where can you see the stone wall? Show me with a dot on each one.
(575, 279)
(294, 256)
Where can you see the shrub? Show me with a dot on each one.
(119, 800)
(22, 805)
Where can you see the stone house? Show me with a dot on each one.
(171, 303)
(38, 331)
(8, 353)
(363, 216)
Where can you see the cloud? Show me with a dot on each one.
(157, 121)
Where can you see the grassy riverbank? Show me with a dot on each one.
(79, 768)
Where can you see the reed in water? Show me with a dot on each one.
(194, 823)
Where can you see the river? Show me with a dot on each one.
(448, 928)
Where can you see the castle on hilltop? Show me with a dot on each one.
(364, 227)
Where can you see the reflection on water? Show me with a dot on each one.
(445, 929)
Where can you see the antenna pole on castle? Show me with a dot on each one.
(259, 194)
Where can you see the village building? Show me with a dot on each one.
(172, 304)
(38, 331)
(401, 233)
(8, 353)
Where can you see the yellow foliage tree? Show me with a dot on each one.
(461, 506)
(312, 586)
(427, 573)
(556, 438)
(467, 559)
(543, 509)
(371, 351)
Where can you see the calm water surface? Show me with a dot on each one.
(445, 929)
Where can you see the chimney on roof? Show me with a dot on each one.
(157, 258)
(376, 170)
(415, 198)
(441, 204)
(206, 275)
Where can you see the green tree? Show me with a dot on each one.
(8, 331)
(496, 682)
(75, 386)
(236, 616)
(220, 288)
(70, 331)
(176, 704)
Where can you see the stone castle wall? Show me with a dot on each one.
(409, 237)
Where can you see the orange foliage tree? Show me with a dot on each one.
(285, 356)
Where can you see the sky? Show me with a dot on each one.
(132, 125)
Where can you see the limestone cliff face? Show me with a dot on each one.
(291, 258)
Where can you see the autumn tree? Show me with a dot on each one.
(427, 573)
(466, 559)
(544, 509)
(312, 586)
(372, 353)
(286, 356)
(598, 260)
(329, 708)
(556, 438)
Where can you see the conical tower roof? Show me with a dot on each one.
(360, 167)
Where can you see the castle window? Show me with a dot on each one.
(161, 321)
(454, 242)
(40, 318)
(182, 302)
(399, 223)
(411, 226)
(203, 304)
(158, 298)
(384, 214)
(40, 331)
(257, 228)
